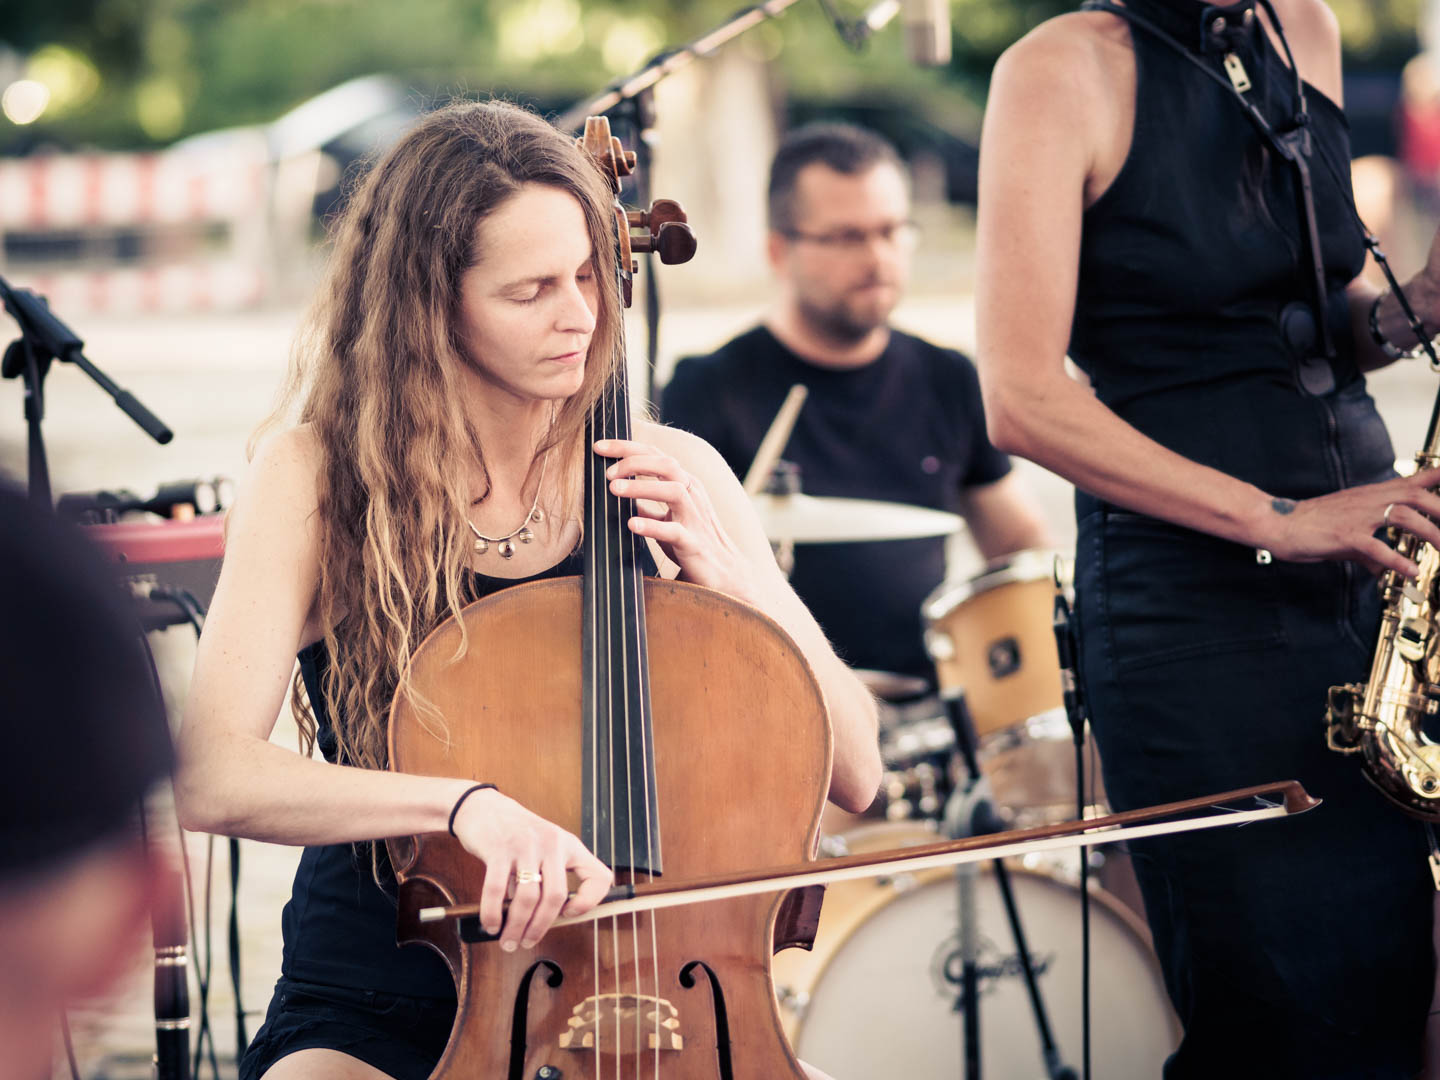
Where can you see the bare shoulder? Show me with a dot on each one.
(1314, 35)
(288, 464)
(1075, 53)
(1062, 103)
(279, 498)
(1314, 19)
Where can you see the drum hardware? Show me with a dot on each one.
(970, 813)
(891, 686)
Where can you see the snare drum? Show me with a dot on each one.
(878, 995)
(993, 637)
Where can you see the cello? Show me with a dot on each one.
(699, 747)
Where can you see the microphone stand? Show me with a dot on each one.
(1075, 710)
(968, 813)
(43, 339)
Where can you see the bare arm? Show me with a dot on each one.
(1002, 518)
(233, 780)
(733, 555)
(1045, 127)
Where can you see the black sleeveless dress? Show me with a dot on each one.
(344, 984)
(1302, 947)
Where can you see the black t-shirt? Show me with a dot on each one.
(907, 428)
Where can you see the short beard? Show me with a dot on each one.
(836, 324)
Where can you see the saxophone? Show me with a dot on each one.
(1381, 719)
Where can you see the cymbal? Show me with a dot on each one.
(891, 685)
(812, 519)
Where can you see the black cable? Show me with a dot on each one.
(209, 892)
(1080, 791)
(242, 1041)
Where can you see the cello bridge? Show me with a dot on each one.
(623, 1023)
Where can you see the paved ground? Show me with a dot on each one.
(212, 379)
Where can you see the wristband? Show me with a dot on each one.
(1393, 352)
(461, 800)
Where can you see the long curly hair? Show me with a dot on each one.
(376, 375)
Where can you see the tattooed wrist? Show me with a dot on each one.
(1283, 506)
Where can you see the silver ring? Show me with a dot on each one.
(526, 877)
(1386, 515)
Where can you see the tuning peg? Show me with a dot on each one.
(675, 243)
(661, 211)
(624, 159)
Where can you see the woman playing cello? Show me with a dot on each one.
(468, 326)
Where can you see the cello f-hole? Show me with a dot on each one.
(722, 1017)
(520, 1016)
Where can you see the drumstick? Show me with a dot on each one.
(774, 441)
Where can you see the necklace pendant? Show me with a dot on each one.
(537, 515)
(1235, 68)
(481, 545)
(506, 549)
(525, 535)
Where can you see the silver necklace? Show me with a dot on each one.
(505, 545)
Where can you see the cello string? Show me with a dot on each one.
(634, 644)
(652, 845)
(610, 513)
(625, 553)
(592, 588)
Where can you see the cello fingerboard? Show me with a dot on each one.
(620, 822)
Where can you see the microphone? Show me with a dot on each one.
(927, 31)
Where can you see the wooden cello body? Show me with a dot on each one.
(741, 762)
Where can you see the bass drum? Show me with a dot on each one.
(879, 995)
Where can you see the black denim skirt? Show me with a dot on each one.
(401, 1036)
(1299, 947)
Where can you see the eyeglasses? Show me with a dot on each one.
(898, 234)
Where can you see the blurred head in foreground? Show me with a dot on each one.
(85, 737)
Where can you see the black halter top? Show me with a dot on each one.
(1196, 314)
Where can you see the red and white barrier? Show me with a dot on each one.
(196, 222)
(175, 287)
(88, 190)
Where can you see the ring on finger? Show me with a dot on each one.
(1386, 516)
(526, 877)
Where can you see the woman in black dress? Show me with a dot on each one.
(469, 323)
(1232, 475)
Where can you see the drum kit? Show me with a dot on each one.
(881, 993)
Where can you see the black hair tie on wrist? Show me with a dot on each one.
(461, 800)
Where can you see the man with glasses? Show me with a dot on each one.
(888, 416)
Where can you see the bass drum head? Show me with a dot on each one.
(883, 996)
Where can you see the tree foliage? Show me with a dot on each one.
(167, 68)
